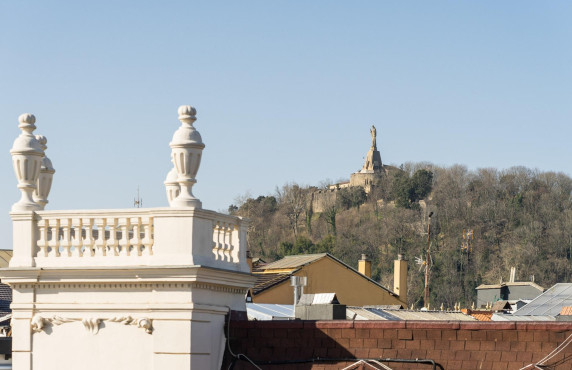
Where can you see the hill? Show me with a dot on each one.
(519, 217)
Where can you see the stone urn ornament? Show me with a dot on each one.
(186, 151)
(27, 155)
(46, 176)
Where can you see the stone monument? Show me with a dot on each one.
(372, 168)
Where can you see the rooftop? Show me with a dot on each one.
(549, 303)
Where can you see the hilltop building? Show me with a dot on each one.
(509, 291)
(367, 177)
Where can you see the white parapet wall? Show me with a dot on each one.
(125, 289)
(138, 288)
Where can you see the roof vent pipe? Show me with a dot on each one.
(512, 274)
(298, 282)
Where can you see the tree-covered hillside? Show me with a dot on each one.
(520, 217)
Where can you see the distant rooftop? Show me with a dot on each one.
(549, 303)
(292, 262)
(509, 284)
(374, 313)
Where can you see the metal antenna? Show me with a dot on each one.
(138, 202)
(426, 300)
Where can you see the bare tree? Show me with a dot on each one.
(292, 200)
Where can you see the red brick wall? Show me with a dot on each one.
(452, 345)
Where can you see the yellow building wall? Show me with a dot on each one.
(328, 276)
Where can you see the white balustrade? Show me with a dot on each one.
(94, 235)
(183, 234)
(128, 238)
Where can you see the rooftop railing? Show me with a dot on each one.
(182, 234)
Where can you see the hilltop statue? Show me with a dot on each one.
(373, 133)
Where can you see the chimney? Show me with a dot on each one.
(249, 260)
(364, 266)
(400, 278)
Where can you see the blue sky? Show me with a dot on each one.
(285, 91)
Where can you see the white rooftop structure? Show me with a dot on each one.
(122, 288)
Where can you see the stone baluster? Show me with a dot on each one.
(216, 239)
(186, 151)
(66, 239)
(228, 244)
(77, 241)
(100, 243)
(46, 176)
(235, 244)
(27, 157)
(89, 242)
(124, 242)
(136, 239)
(54, 242)
(112, 242)
(148, 239)
(44, 227)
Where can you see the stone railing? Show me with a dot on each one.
(129, 237)
(94, 234)
(181, 235)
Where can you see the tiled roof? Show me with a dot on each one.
(289, 262)
(482, 315)
(265, 281)
(566, 311)
(5, 301)
(500, 305)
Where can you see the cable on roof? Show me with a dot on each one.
(551, 355)
(240, 355)
(364, 362)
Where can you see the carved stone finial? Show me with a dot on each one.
(186, 152)
(27, 155)
(46, 176)
(27, 119)
(172, 185)
(186, 112)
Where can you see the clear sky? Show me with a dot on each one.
(285, 91)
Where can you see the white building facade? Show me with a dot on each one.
(127, 288)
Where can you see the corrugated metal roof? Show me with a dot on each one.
(509, 284)
(360, 313)
(5, 257)
(318, 298)
(363, 313)
(549, 303)
(509, 317)
(291, 262)
(430, 315)
(266, 311)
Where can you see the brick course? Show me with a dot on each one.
(452, 345)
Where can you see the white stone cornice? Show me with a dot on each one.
(196, 275)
